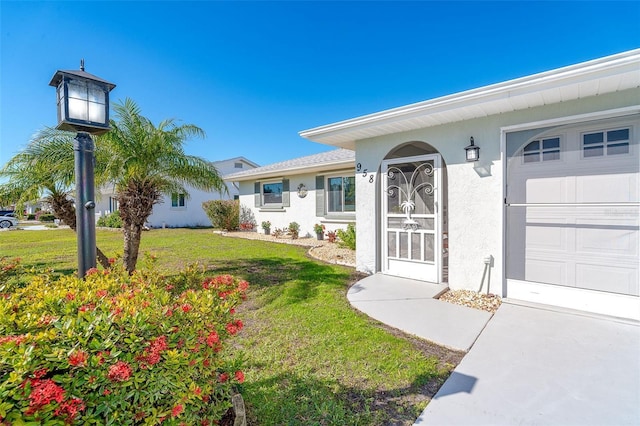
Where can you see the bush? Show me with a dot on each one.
(118, 349)
(348, 237)
(46, 217)
(31, 216)
(223, 214)
(112, 220)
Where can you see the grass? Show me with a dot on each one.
(310, 359)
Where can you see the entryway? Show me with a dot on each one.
(412, 217)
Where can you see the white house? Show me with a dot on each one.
(548, 213)
(182, 210)
(317, 189)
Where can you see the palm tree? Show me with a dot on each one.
(45, 170)
(145, 161)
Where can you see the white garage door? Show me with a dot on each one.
(573, 197)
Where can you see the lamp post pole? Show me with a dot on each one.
(83, 106)
(85, 204)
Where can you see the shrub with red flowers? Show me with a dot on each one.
(119, 349)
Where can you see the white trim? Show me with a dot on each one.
(592, 78)
(613, 304)
(343, 174)
(574, 119)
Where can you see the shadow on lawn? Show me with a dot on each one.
(302, 277)
(295, 399)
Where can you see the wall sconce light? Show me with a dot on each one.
(472, 152)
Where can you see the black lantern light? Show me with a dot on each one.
(472, 152)
(83, 101)
(83, 106)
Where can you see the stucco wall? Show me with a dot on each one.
(301, 210)
(475, 190)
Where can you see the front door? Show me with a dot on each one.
(411, 218)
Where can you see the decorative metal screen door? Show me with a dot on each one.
(411, 219)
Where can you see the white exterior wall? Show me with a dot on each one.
(301, 210)
(475, 190)
(192, 214)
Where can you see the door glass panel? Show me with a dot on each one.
(391, 244)
(404, 245)
(429, 252)
(410, 188)
(415, 246)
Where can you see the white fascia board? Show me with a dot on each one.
(320, 168)
(624, 63)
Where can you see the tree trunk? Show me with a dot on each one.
(63, 209)
(136, 205)
(132, 237)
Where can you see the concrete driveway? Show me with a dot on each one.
(538, 366)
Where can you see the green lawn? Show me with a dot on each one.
(310, 359)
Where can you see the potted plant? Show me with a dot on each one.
(294, 229)
(266, 225)
(319, 230)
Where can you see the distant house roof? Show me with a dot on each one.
(237, 159)
(325, 161)
(600, 76)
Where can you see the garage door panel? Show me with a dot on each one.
(546, 236)
(544, 270)
(547, 190)
(611, 240)
(612, 279)
(607, 188)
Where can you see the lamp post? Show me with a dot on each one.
(83, 106)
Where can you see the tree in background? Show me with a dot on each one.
(145, 161)
(44, 170)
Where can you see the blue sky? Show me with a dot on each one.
(254, 74)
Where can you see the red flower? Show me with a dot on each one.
(186, 307)
(112, 260)
(70, 296)
(43, 392)
(197, 391)
(78, 358)
(213, 339)
(101, 293)
(92, 271)
(239, 376)
(106, 392)
(69, 409)
(177, 410)
(223, 377)
(232, 311)
(234, 327)
(119, 372)
(38, 374)
(243, 286)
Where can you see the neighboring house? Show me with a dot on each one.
(318, 188)
(550, 211)
(182, 210)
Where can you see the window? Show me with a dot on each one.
(542, 150)
(272, 194)
(177, 200)
(611, 142)
(237, 165)
(341, 194)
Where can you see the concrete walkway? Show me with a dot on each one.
(527, 365)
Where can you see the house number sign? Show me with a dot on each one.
(364, 172)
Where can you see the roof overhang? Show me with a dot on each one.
(605, 75)
(270, 174)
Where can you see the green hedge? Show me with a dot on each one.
(223, 214)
